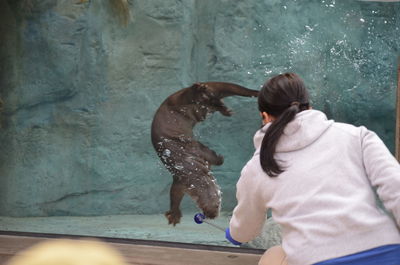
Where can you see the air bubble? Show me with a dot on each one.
(167, 152)
(179, 167)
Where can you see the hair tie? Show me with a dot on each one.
(295, 103)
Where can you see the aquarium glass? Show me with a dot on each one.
(80, 82)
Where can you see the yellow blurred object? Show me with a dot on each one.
(69, 252)
(121, 10)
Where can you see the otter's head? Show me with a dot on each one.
(207, 194)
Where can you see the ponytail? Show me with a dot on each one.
(271, 138)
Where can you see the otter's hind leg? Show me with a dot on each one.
(176, 194)
(207, 154)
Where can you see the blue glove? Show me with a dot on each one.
(229, 237)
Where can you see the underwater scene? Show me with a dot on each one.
(85, 123)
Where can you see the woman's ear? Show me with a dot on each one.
(266, 118)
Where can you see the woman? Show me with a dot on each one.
(318, 178)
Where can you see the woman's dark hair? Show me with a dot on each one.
(282, 96)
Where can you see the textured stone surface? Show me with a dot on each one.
(80, 90)
(271, 235)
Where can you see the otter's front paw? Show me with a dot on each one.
(226, 112)
(219, 161)
(174, 217)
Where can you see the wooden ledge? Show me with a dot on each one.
(140, 252)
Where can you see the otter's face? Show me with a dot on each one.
(205, 191)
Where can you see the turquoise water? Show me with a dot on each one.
(80, 90)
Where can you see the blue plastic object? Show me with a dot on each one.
(230, 238)
(199, 218)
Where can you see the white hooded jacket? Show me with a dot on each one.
(324, 200)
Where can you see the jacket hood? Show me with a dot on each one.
(306, 128)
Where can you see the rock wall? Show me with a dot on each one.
(80, 89)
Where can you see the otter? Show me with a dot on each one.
(188, 160)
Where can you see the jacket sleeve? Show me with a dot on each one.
(249, 215)
(383, 170)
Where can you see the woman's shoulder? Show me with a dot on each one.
(252, 170)
(253, 165)
(348, 128)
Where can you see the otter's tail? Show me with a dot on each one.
(225, 89)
